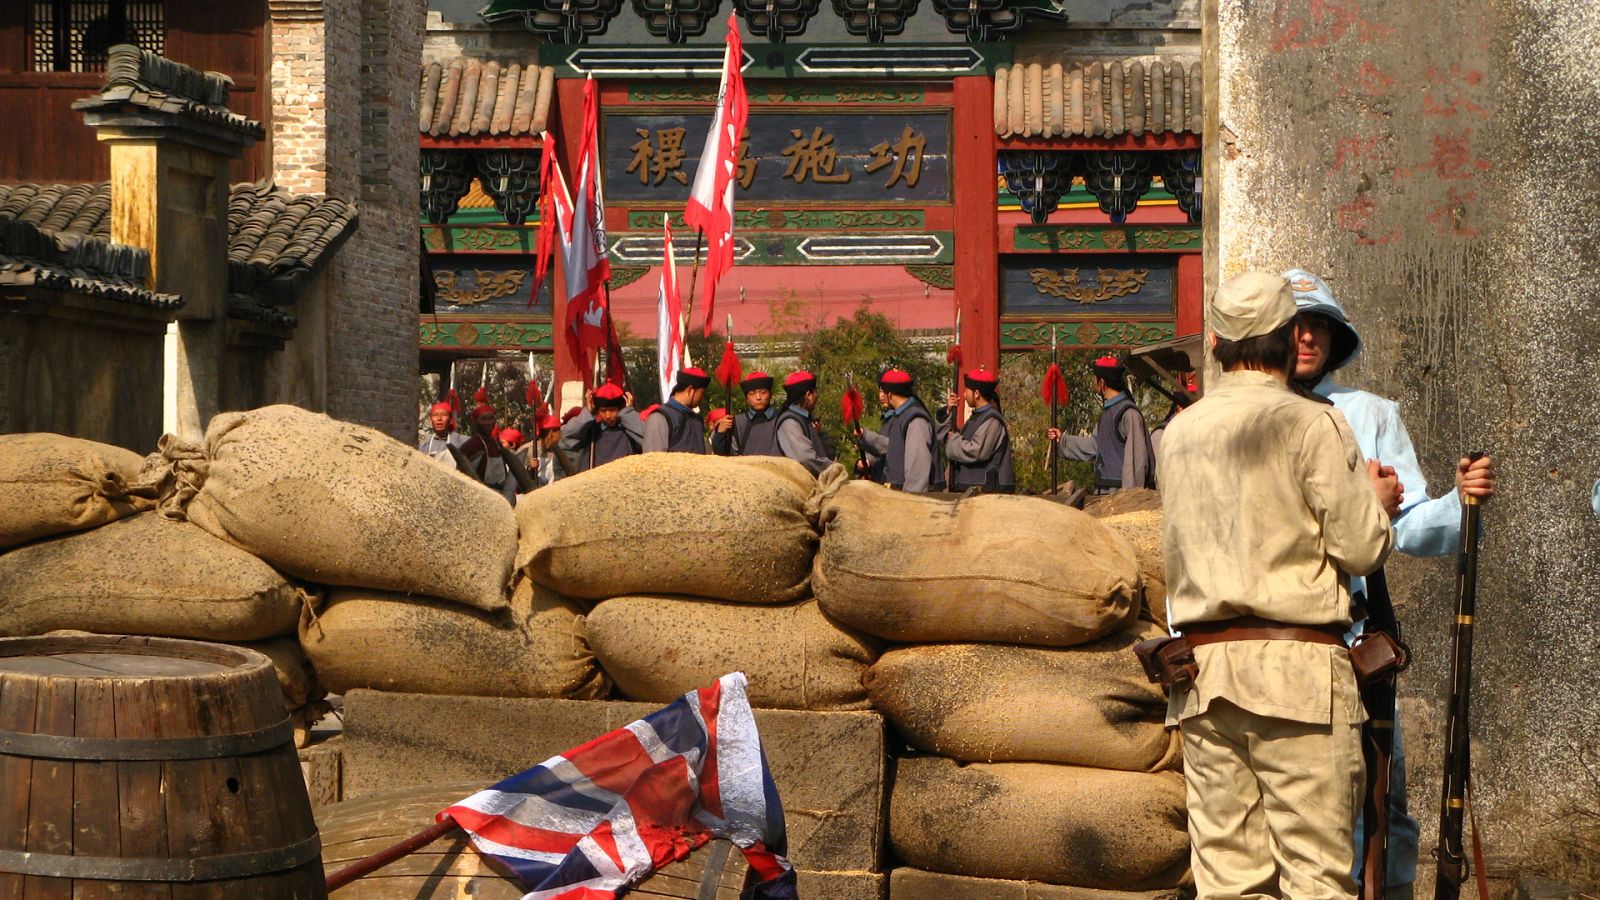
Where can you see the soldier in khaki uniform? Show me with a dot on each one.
(1270, 508)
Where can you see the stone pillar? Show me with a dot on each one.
(1442, 170)
(169, 196)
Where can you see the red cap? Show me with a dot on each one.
(796, 379)
(482, 408)
(896, 381)
(716, 415)
(608, 396)
(549, 423)
(440, 406)
(979, 376)
(692, 377)
(756, 381)
(1108, 362)
(511, 436)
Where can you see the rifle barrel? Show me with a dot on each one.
(1451, 851)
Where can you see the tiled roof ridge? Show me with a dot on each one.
(127, 64)
(470, 96)
(1137, 95)
(151, 84)
(278, 239)
(31, 256)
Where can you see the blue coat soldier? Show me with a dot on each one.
(753, 432)
(608, 428)
(676, 426)
(980, 453)
(905, 444)
(1326, 341)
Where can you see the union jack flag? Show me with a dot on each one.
(594, 820)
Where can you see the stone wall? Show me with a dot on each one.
(344, 87)
(1440, 169)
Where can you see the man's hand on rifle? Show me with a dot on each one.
(1387, 484)
(1475, 479)
(627, 397)
(952, 401)
(588, 399)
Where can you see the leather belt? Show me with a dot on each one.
(1253, 628)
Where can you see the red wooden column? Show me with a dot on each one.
(566, 132)
(977, 222)
(1191, 294)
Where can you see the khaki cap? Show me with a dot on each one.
(1251, 305)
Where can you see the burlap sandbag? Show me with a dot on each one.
(675, 523)
(1103, 506)
(658, 648)
(51, 484)
(372, 639)
(994, 568)
(1040, 822)
(1142, 531)
(1089, 705)
(341, 504)
(145, 575)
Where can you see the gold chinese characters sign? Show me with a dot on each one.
(786, 158)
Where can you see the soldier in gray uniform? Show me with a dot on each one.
(676, 426)
(797, 434)
(980, 453)
(1120, 445)
(608, 428)
(753, 432)
(906, 445)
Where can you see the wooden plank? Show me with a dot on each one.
(50, 789)
(18, 697)
(143, 815)
(191, 832)
(96, 817)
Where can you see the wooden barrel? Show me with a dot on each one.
(162, 766)
(449, 868)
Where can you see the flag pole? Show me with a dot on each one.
(694, 275)
(1055, 422)
(384, 857)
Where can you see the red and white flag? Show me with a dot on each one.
(710, 206)
(584, 250)
(669, 318)
(551, 184)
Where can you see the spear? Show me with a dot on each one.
(851, 406)
(953, 357)
(730, 370)
(1055, 394)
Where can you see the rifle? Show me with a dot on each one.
(1377, 740)
(1450, 853)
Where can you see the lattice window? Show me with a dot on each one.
(76, 35)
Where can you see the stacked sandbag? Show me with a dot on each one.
(1089, 705)
(736, 529)
(658, 648)
(1093, 828)
(990, 568)
(302, 693)
(1142, 530)
(52, 484)
(146, 575)
(336, 503)
(363, 638)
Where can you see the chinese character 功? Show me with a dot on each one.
(813, 156)
(656, 159)
(911, 144)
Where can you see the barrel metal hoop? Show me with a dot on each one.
(201, 868)
(97, 749)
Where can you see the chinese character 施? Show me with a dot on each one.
(906, 154)
(813, 157)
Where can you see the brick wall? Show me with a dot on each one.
(344, 91)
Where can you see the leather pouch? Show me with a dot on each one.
(1376, 654)
(1167, 661)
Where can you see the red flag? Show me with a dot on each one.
(584, 252)
(710, 206)
(852, 405)
(616, 367)
(550, 179)
(1055, 386)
